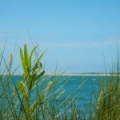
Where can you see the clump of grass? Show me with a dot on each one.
(108, 102)
(35, 96)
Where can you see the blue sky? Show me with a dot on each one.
(78, 34)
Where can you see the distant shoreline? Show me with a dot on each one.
(74, 74)
(82, 74)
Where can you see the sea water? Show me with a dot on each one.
(81, 86)
(83, 89)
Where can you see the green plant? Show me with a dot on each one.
(108, 102)
(49, 101)
(47, 91)
(31, 74)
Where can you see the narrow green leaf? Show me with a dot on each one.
(26, 57)
(38, 61)
(30, 57)
(23, 89)
(23, 62)
(33, 80)
(41, 74)
(11, 60)
(25, 52)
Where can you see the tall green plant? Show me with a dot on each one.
(108, 103)
(31, 73)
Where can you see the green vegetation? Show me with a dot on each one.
(39, 97)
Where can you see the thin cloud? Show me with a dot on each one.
(80, 44)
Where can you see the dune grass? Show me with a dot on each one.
(37, 96)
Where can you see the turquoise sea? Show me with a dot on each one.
(81, 88)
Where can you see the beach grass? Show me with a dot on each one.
(37, 96)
